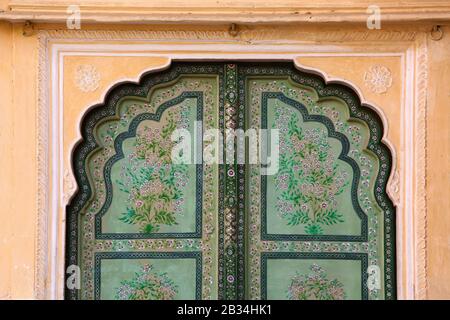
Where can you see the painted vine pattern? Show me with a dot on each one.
(315, 286)
(309, 178)
(147, 284)
(153, 183)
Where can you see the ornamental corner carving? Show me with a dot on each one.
(87, 78)
(378, 79)
(69, 186)
(393, 188)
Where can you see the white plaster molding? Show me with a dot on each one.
(54, 45)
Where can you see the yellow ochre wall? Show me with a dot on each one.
(18, 135)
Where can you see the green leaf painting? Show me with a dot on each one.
(309, 179)
(147, 284)
(154, 185)
(315, 286)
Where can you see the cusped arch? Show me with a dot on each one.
(325, 87)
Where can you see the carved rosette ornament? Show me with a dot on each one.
(87, 78)
(378, 79)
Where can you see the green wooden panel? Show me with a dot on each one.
(311, 193)
(140, 217)
(149, 276)
(152, 195)
(326, 207)
(320, 227)
(313, 276)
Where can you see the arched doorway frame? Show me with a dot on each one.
(49, 251)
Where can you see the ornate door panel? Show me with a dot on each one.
(321, 227)
(143, 227)
(317, 226)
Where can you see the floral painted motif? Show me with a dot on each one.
(309, 178)
(315, 286)
(155, 185)
(147, 284)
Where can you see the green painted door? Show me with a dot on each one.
(308, 219)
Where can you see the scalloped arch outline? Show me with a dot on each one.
(140, 87)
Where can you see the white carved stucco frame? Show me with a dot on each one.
(406, 185)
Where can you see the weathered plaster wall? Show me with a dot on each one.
(6, 177)
(438, 182)
(18, 57)
(18, 103)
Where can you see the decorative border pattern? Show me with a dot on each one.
(244, 35)
(119, 155)
(320, 256)
(43, 166)
(420, 232)
(230, 201)
(99, 256)
(343, 156)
